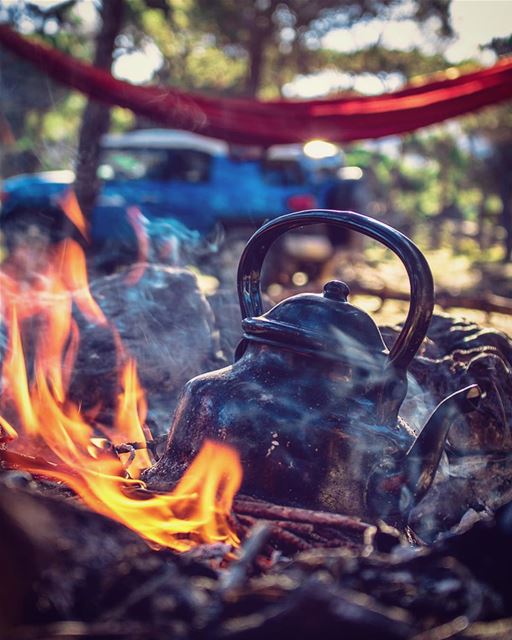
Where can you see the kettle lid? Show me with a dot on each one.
(325, 325)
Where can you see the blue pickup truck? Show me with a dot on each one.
(190, 186)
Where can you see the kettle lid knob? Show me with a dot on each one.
(336, 290)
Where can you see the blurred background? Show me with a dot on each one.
(448, 186)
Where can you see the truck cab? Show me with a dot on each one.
(190, 186)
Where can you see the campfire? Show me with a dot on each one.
(56, 439)
(115, 535)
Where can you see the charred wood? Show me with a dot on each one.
(62, 562)
(70, 573)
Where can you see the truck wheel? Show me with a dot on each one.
(277, 268)
(348, 195)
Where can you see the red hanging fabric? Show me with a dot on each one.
(276, 122)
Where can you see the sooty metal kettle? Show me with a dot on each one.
(312, 401)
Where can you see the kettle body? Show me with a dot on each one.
(299, 444)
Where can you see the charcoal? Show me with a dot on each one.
(485, 430)
(457, 354)
(64, 562)
(452, 585)
(486, 549)
(310, 607)
(453, 334)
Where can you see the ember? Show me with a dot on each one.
(40, 420)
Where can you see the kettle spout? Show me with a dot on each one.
(422, 459)
(395, 486)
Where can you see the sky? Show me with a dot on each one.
(475, 23)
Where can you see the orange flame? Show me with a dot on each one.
(47, 422)
(71, 208)
(130, 417)
(70, 262)
(14, 372)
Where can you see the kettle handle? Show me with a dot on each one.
(420, 277)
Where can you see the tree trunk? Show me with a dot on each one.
(255, 69)
(506, 215)
(260, 31)
(96, 116)
(482, 236)
(501, 166)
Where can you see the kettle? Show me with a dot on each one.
(312, 401)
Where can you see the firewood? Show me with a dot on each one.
(71, 573)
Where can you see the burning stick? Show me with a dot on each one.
(13, 460)
(266, 510)
(253, 546)
(293, 529)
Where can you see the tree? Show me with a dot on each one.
(261, 30)
(26, 95)
(96, 117)
(28, 99)
(494, 127)
(115, 15)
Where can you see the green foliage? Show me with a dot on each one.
(376, 60)
(270, 32)
(41, 114)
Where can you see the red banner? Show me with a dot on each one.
(276, 122)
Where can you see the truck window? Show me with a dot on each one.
(283, 172)
(186, 165)
(132, 164)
